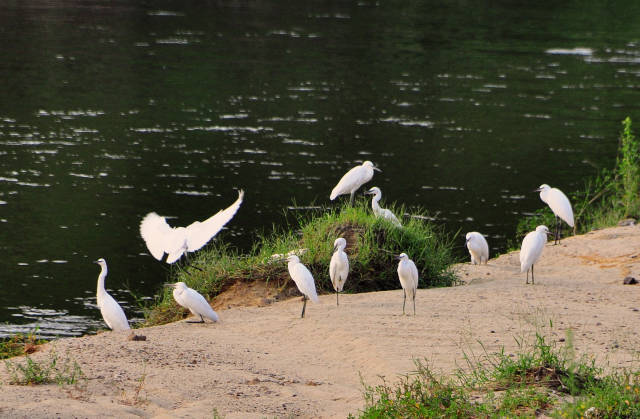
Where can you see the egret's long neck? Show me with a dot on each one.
(101, 277)
(374, 202)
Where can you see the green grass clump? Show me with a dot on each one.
(605, 200)
(372, 244)
(541, 380)
(53, 370)
(19, 344)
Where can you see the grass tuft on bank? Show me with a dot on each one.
(611, 196)
(542, 380)
(372, 244)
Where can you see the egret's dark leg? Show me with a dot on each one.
(404, 301)
(557, 230)
(196, 321)
(352, 197)
(304, 305)
(527, 277)
(337, 303)
(414, 302)
(532, 280)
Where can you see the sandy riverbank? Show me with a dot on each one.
(266, 361)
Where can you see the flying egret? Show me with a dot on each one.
(559, 204)
(353, 179)
(303, 279)
(194, 301)
(339, 266)
(408, 275)
(162, 239)
(478, 248)
(111, 311)
(379, 211)
(531, 249)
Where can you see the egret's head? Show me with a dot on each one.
(293, 259)
(402, 256)
(468, 237)
(101, 262)
(374, 191)
(339, 244)
(177, 285)
(371, 165)
(543, 187)
(542, 229)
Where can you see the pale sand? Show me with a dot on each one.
(266, 361)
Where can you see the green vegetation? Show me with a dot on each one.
(372, 244)
(52, 371)
(541, 380)
(612, 196)
(19, 344)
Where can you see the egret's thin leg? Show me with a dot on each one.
(337, 303)
(414, 302)
(352, 197)
(196, 321)
(304, 305)
(404, 300)
(532, 280)
(557, 238)
(527, 277)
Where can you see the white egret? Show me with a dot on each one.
(531, 249)
(303, 279)
(478, 248)
(378, 210)
(353, 179)
(162, 239)
(559, 204)
(408, 275)
(194, 301)
(111, 311)
(339, 266)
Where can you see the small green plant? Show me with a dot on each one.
(136, 398)
(528, 384)
(20, 344)
(53, 371)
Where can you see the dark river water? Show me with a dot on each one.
(112, 109)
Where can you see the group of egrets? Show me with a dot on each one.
(169, 244)
(534, 242)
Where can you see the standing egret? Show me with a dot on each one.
(353, 179)
(303, 279)
(559, 204)
(478, 248)
(194, 301)
(339, 266)
(109, 308)
(531, 249)
(379, 211)
(162, 239)
(408, 275)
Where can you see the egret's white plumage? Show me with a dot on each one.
(408, 275)
(353, 179)
(378, 210)
(531, 249)
(194, 301)
(303, 279)
(111, 311)
(175, 241)
(339, 266)
(559, 204)
(478, 248)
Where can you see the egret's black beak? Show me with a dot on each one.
(335, 249)
(96, 262)
(169, 285)
(368, 193)
(466, 241)
(537, 190)
(397, 257)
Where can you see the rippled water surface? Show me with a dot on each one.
(112, 109)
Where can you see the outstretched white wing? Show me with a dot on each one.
(199, 233)
(155, 231)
